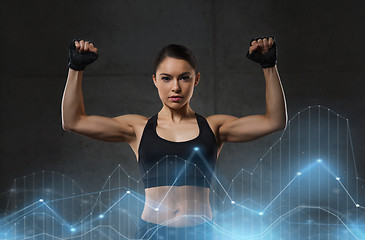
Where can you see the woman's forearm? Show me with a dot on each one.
(72, 108)
(275, 98)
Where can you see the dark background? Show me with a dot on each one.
(321, 57)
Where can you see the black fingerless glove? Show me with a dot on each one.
(265, 60)
(78, 61)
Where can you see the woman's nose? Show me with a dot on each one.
(176, 86)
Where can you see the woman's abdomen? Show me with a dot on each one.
(177, 206)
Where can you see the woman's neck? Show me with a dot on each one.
(176, 115)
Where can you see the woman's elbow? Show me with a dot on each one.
(278, 126)
(283, 124)
(67, 127)
(70, 124)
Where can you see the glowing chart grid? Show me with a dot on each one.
(306, 186)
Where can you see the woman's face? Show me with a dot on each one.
(175, 80)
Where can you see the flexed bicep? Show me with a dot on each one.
(234, 129)
(117, 129)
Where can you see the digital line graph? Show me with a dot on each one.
(305, 186)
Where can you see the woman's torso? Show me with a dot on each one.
(176, 206)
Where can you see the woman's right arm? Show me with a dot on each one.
(74, 118)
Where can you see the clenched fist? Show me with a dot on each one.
(81, 53)
(263, 51)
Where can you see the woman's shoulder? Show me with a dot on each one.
(132, 116)
(132, 119)
(219, 119)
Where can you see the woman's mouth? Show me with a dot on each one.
(175, 98)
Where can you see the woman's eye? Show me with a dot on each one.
(185, 78)
(165, 78)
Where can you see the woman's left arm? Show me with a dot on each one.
(233, 129)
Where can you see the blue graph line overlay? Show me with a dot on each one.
(306, 186)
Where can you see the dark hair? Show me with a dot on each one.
(176, 51)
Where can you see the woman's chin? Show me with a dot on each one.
(175, 105)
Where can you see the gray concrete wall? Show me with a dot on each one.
(320, 48)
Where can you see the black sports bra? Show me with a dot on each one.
(166, 163)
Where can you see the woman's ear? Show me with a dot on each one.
(197, 78)
(154, 80)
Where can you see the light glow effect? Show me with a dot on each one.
(316, 205)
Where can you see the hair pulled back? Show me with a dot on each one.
(176, 51)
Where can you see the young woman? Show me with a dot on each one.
(177, 148)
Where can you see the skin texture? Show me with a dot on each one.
(175, 205)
